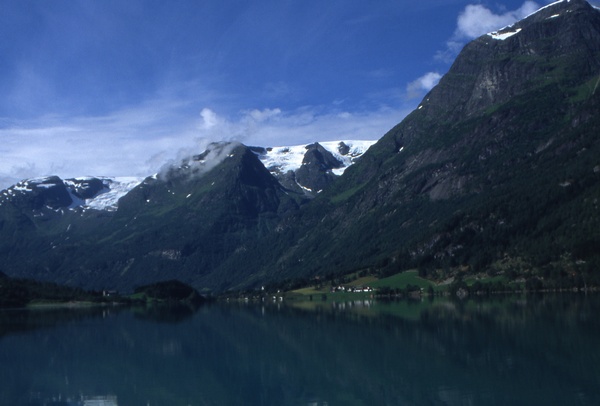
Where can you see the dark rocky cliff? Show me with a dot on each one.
(497, 166)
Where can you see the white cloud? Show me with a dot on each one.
(209, 118)
(476, 20)
(274, 127)
(263, 115)
(119, 144)
(139, 141)
(423, 84)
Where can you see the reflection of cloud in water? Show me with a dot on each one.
(100, 401)
(108, 400)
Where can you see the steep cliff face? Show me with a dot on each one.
(557, 44)
(316, 174)
(521, 79)
(504, 91)
(491, 166)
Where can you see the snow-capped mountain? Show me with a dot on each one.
(284, 159)
(114, 189)
(54, 193)
(310, 168)
(103, 193)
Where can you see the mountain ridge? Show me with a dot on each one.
(418, 199)
(103, 193)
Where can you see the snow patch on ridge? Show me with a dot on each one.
(105, 199)
(503, 33)
(284, 159)
(550, 5)
(501, 36)
(278, 160)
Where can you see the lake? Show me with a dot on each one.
(530, 350)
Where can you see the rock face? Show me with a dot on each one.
(37, 194)
(490, 167)
(316, 170)
(500, 93)
(558, 44)
(87, 188)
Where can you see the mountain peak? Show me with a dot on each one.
(54, 193)
(310, 168)
(558, 43)
(481, 162)
(559, 9)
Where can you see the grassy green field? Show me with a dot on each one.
(395, 283)
(310, 291)
(398, 281)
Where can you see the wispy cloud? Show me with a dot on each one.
(123, 88)
(275, 127)
(139, 141)
(423, 84)
(476, 20)
(121, 143)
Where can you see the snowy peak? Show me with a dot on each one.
(558, 43)
(303, 168)
(54, 193)
(279, 160)
(310, 168)
(37, 193)
(551, 11)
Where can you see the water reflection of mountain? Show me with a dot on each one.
(543, 349)
(60, 400)
(13, 321)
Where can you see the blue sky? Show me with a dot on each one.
(116, 88)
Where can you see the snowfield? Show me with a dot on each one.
(115, 188)
(277, 160)
(284, 159)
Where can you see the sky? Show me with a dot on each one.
(119, 88)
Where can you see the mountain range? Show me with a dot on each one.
(497, 171)
(82, 231)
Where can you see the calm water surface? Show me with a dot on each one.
(510, 350)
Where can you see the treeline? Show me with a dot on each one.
(531, 285)
(21, 292)
(168, 292)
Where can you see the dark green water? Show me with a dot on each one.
(507, 351)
